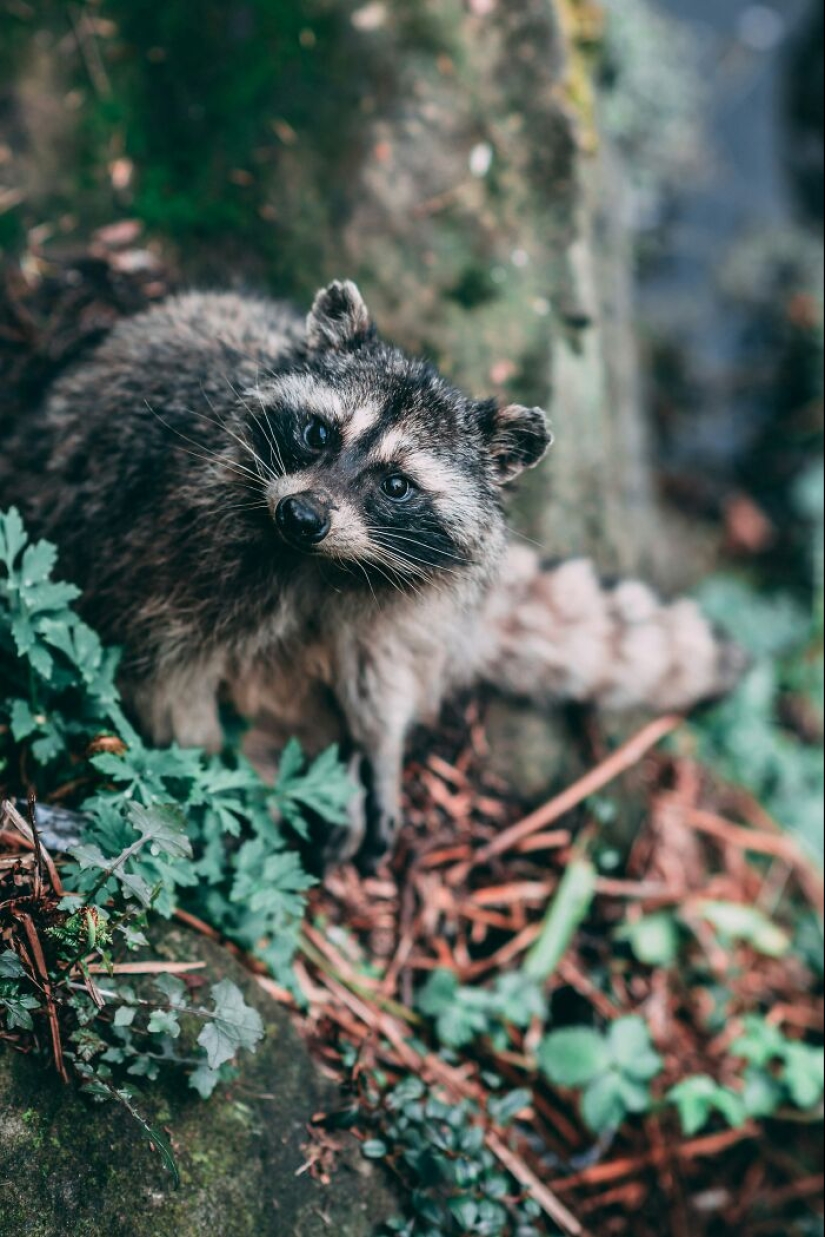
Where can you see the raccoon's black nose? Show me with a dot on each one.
(302, 518)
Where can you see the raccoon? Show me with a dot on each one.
(298, 514)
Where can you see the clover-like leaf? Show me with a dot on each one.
(574, 1057)
(632, 1050)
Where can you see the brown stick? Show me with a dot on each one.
(51, 1008)
(701, 1148)
(760, 842)
(626, 758)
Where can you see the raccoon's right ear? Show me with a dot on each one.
(339, 318)
(518, 438)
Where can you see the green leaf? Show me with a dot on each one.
(632, 1050)
(694, 1099)
(164, 1022)
(13, 537)
(804, 1075)
(375, 1149)
(325, 788)
(505, 1109)
(234, 1026)
(735, 922)
(23, 722)
(10, 966)
(570, 908)
(19, 1010)
(654, 940)
(603, 1105)
(636, 1095)
(698, 1098)
(575, 1057)
(760, 1044)
(204, 1080)
(173, 989)
(88, 856)
(763, 1095)
(165, 827)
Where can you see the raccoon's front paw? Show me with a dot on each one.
(369, 836)
(345, 843)
(379, 841)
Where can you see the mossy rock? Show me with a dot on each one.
(72, 1168)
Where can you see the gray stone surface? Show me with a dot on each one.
(72, 1168)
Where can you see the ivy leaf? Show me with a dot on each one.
(10, 966)
(19, 1010)
(204, 1080)
(234, 1025)
(164, 1022)
(173, 989)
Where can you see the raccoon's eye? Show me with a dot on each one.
(397, 488)
(317, 434)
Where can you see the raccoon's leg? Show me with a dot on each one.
(180, 706)
(378, 693)
(559, 633)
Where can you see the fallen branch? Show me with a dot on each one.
(626, 758)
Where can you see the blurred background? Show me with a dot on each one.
(613, 209)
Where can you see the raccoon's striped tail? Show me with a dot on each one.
(559, 633)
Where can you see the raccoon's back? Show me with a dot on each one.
(184, 360)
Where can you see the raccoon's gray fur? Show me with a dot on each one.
(302, 515)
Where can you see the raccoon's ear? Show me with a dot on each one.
(518, 438)
(339, 318)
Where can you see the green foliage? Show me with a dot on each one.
(745, 739)
(455, 1185)
(463, 1014)
(796, 1071)
(567, 913)
(697, 1099)
(614, 1070)
(63, 698)
(780, 1074)
(654, 939)
(163, 829)
(657, 940)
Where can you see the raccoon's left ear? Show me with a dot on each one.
(339, 318)
(518, 438)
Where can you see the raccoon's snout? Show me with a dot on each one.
(304, 519)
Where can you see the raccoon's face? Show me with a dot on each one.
(375, 462)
